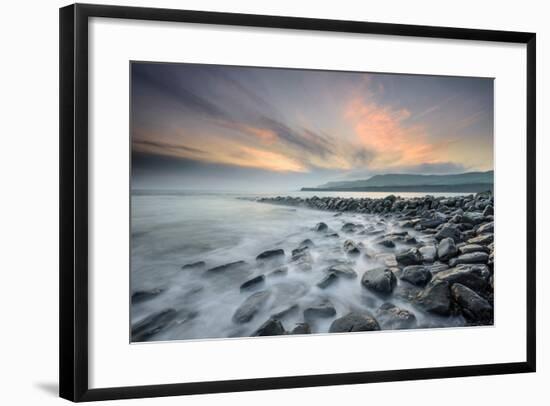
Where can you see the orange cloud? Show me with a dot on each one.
(381, 130)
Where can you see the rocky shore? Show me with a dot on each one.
(416, 262)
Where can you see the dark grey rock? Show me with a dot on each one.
(409, 257)
(351, 248)
(486, 228)
(285, 312)
(271, 254)
(472, 217)
(435, 298)
(418, 275)
(354, 322)
(327, 280)
(446, 249)
(392, 317)
(194, 265)
(470, 258)
(474, 277)
(152, 325)
(467, 248)
(253, 283)
(428, 253)
(483, 239)
(252, 305)
(306, 243)
(381, 280)
(282, 271)
(232, 266)
(387, 243)
(301, 328)
(342, 270)
(321, 309)
(474, 307)
(271, 327)
(321, 227)
(140, 296)
(449, 230)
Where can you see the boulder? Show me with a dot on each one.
(145, 295)
(320, 227)
(285, 312)
(353, 322)
(253, 283)
(446, 249)
(477, 257)
(271, 254)
(486, 228)
(418, 275)
(306, 243)
(392, 317)
(488, 211)
(428, 253)
(321, 309)
(342, 270)
(386, 259)
(449, 230)
(387, 243)
(474, 307)
(272, 327)
(232, 266)
(301, 328)
(409, 257)
(327, 280)
(282, 271)
(435, 298)
(351, 228)
(152, 325)
(474, 277)
(252, 305)
(381, 280)
(483, 239)
(467, 248)
(472, 217)
(351, 248)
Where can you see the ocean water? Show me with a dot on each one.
(172, 229)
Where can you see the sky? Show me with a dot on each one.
(220, 127)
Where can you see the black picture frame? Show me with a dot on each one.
(73, 281)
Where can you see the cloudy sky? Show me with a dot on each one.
(222, 127)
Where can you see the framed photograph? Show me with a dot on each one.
(257, 202)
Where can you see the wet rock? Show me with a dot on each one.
(194, 265)
(470, 258)
(486, 228)
(392, 317)
(437, 267)
(428, 253)
(327, 280)
(351, 248)
(271, 327)
(301, 328)
(483, 239)
(282, 271)
(387, 243)
(387, 260)
(351, 228)
(446, 249)
(418, 275)
(285, 312)
(381, 280)
(488, 211)
(252, 305)
(474, 277)
(474, 307)
(253, 283)
(467, 248)
(145, 295)
(410, 240)
(342, 270)
(435, 298)
(306, 243)
(354, 322)
(321, 309)
(332, 235)
(320, 227)
(152, 325)
(449, 231)
(271, 254)
(472, 217)
(232, 266)
(409, 257)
